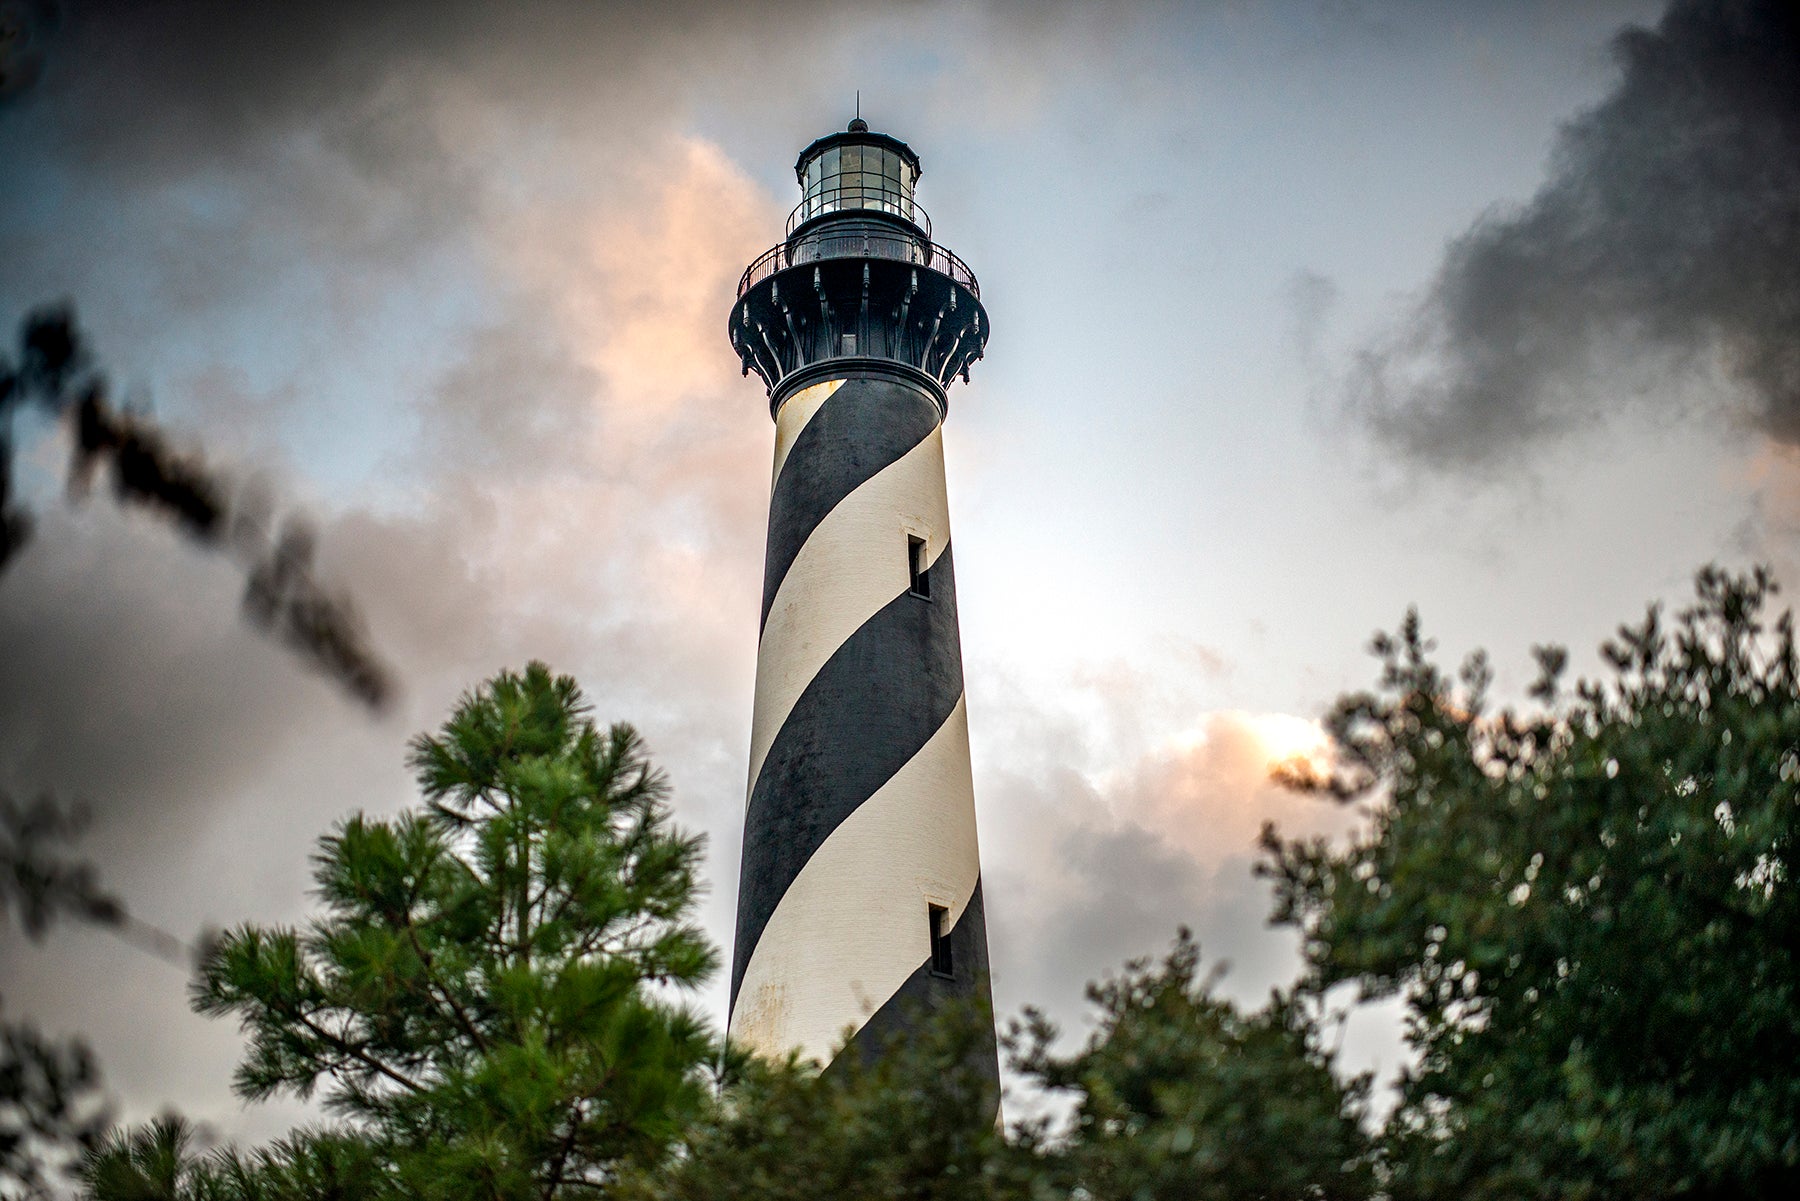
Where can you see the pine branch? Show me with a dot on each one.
(431, 976)
(344, 1047)
(563, 1152)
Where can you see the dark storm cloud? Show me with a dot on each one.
(159, 86)
(1664, 247)
(163, 84)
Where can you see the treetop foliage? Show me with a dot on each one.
(1587, 907)
(477, 1002)
(1176, 1096)
(915, 1122)
(1180, 1094)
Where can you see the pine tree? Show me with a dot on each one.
(490, 1000)
(1181, 1095)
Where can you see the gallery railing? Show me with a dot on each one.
(850, 239)
(853, 192)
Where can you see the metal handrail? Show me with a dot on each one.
(838, 197)
(867, 240)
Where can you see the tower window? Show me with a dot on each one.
(941, 962)
(915, 562)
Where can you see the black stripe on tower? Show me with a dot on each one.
(875, 703)
(926, 992)
(866, 425)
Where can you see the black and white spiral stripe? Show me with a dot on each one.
(861, 811)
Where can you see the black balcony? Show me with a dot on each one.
(847, 237)
(857, 288)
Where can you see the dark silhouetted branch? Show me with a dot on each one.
(283, 595)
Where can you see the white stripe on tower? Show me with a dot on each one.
(796, 411)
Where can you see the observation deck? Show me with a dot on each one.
(850, 237)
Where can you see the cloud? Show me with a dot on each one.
(585, 485)
(1102, 833)
(460, 272)
(1309, 299)
(1661, 258)
(1210, 794)
(586, 458)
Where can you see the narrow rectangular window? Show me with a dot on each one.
(915, 562)
(941, 963)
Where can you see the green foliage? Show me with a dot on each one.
(154, 1163)
(1589, 910)
(1181, 1096)
(158, 1162)
(1177, 1094)
(915, 1122)
(485, 1000)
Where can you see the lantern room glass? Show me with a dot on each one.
(858, 176)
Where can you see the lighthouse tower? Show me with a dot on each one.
(859, 902)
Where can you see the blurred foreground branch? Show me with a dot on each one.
(283, 594)
(51, 1108)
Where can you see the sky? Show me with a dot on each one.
(1303, 313)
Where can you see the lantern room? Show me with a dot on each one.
(857, 172)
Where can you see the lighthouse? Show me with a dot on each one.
(859, 899)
